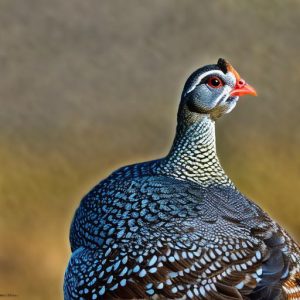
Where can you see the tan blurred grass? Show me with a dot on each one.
(88, 86)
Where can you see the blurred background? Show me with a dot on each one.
(88, 86)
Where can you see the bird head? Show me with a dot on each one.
(214, 90)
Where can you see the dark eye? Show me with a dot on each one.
(215, 82)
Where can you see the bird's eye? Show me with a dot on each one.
(215, 82)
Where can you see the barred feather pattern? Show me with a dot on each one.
(292, 287)
(168, 229)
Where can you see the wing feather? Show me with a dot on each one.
(166, 238)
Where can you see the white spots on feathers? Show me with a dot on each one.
(240, 285)
(150, 292)
(233, 257)
(152, 261)
(124, 271)
(160, 286)
(153, 270)
(123, 282)
(142, 273)
(190, 294)
(202, 291)
(110, 279)
(259, 271)
(102, 291)
(258, 255)
(114, 287)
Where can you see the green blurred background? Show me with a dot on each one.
(88, 86)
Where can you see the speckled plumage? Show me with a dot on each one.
(178, 228)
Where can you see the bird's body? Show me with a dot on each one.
(178, 228)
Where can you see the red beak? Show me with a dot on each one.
(242, 88)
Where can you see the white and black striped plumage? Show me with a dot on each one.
(177, 228)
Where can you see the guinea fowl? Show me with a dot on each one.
(177, 227)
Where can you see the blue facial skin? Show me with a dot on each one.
(203, 98)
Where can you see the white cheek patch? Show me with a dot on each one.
(225, 91)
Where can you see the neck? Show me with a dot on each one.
(193, 154)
